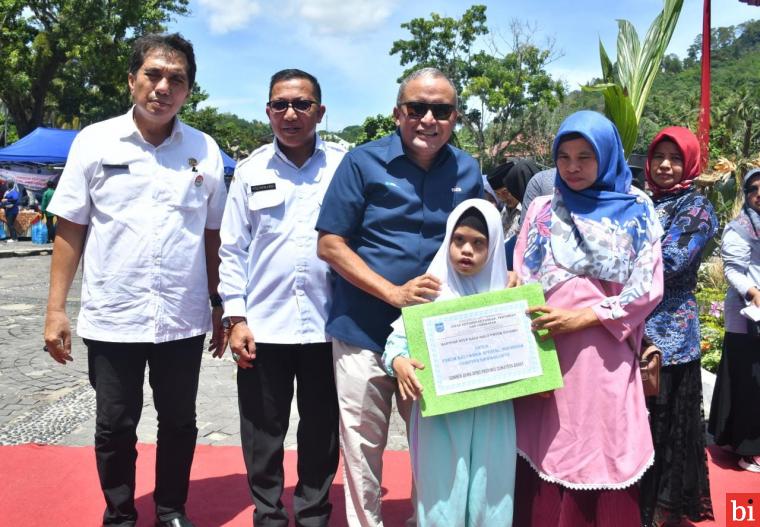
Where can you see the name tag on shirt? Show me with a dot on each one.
(264, 196)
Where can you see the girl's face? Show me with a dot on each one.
(753, 196)
(576, 163)
(468, 250)
(666, 167)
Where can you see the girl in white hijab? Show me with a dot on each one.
(463, 462)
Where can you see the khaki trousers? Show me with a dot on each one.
(365, 395)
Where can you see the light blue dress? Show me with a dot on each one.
(463, 462)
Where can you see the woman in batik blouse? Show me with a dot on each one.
(677, 485)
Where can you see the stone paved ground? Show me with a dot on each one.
(44, 402)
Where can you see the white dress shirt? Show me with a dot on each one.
(270, 272)
(144, 266)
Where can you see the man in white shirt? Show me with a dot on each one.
(276, 296)
(140, 202)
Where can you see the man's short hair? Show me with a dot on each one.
(292, 73)
(433, 73)
(171, 43)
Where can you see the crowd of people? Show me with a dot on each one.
(302, 269)
(13, 199)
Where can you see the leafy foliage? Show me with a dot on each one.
(627, 83)
(351, 133)
(69, 57)
(712, 324)
(500, 92)
(375, 128)
(735, 94)
(234, 135)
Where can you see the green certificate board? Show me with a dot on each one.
(479, 350)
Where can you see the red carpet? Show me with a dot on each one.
(44, 486)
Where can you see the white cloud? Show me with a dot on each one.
(334, 17)
(229, 15)
(575, 77)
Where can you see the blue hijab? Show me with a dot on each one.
(608, 221)
(609, 196)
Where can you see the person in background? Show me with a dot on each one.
(734, 420)
(49, 217)
(489, 194)
(140, 203)
(594, 246)
(541, 184)
(10, 204)
(677, 485)
(516, 181)
(276, 295)
(510, 212)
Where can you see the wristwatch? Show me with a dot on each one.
(229, 322)
(216, 300)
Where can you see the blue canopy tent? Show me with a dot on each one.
(50, 146)
(44, 146)
(229, 163)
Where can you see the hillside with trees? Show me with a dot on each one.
(735, 92)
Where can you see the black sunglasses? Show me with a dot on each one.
(751, 189)
(418, 110)
(299, 105)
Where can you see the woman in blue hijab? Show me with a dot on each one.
(594, 246)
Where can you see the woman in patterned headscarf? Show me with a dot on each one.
(594, 246)
(677, 486)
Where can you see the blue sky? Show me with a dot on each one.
(239, 44)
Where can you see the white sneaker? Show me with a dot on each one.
(11, 240)
(750, 463)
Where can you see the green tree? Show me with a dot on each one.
(63, 59)
(351, 133)
(501, 93)
(234, 135)
(375, 128)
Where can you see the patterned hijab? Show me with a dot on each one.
(598, 231)
(688, 144)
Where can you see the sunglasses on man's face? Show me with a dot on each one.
(418, 110)
(299, 105)
(751, 189)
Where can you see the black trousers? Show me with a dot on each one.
(116, 372)
(50, 222)
(265, 393)
(10, 221)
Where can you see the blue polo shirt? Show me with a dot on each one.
(393, 214)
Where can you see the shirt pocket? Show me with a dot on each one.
(268, 210)
(115, 185)
(191, 191)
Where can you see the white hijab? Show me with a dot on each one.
(493, 275)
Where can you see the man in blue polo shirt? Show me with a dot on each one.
(382, 220)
